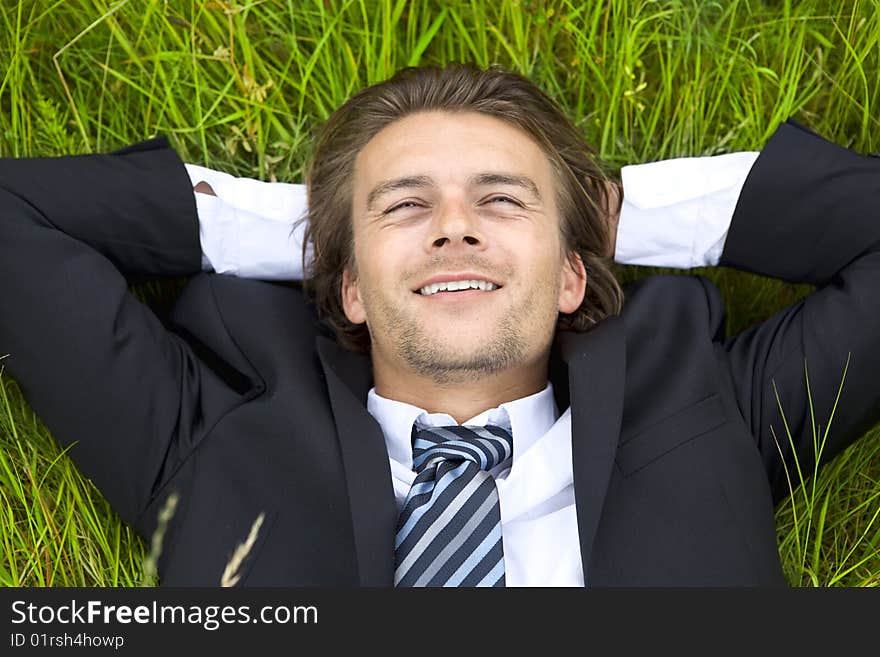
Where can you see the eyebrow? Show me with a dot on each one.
(484, 179)
(478, 180)
(407, 182)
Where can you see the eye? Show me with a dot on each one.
(501, 198)
(401, 205)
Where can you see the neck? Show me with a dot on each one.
(461, 397)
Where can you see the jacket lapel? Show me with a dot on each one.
(365, 461)
(596, 369)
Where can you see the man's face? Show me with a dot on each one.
(440, 199)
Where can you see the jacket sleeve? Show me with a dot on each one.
(97, 365)
(809, 213)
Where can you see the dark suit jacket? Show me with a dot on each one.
(243, 404)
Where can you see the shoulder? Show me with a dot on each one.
(251, 324)
(230, 296)
(683, 304)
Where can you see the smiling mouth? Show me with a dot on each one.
(457, 286)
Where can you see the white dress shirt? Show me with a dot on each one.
(535, 492)
(675, 213)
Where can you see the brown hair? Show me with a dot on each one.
(583, 195)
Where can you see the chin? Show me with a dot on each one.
(448, 362)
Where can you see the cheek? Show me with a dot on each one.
(378, 265)
(543, 259)
(391, 251)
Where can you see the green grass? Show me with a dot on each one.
(240, 86)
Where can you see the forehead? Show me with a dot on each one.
(449, 147)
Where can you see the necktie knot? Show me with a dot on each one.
(485, 446)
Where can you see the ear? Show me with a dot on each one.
(351, 298)
(572, 284)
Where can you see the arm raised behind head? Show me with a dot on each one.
(98, 366)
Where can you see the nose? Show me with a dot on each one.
(455, 225)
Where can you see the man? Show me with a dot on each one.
(481, 404)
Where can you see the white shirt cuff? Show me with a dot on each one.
(250, 228)
(676, 213)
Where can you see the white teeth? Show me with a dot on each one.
(452, 286)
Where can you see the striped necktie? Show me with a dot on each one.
(449, 531)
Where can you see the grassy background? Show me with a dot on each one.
(240, 86)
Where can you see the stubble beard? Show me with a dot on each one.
(440, 362)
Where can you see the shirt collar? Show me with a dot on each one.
(527, 418)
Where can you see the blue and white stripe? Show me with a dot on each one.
(449, 531)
